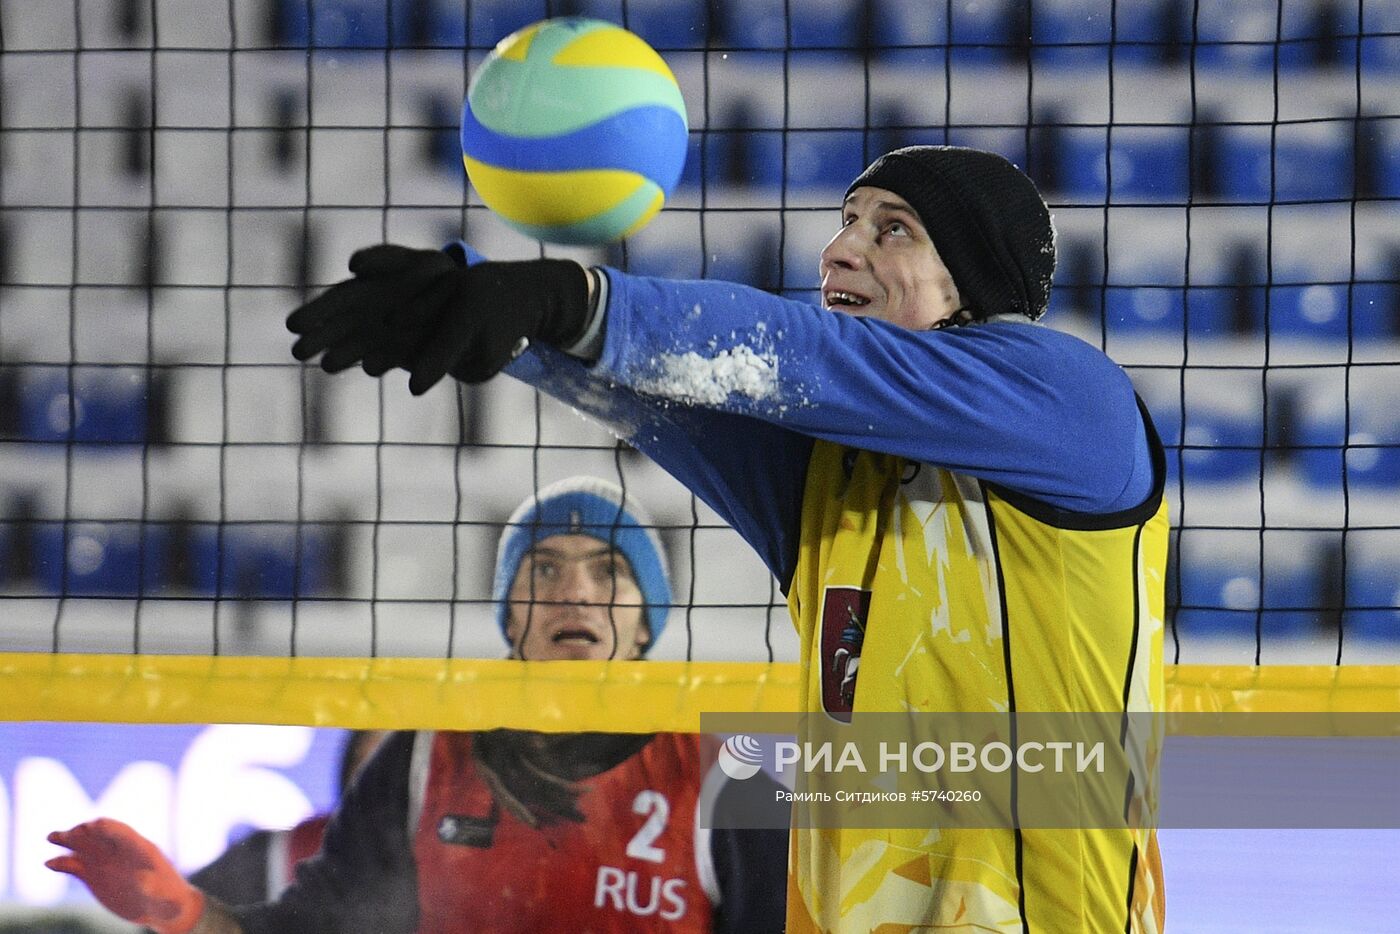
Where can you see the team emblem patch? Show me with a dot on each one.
(462, 830)
(844, 612)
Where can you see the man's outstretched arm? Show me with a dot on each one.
(131, 877)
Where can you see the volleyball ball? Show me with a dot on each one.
(574, 131)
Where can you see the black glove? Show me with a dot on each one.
(426, 312)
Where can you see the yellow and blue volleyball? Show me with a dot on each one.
(574, 131)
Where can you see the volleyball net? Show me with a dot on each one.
(195, 528)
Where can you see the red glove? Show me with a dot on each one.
(129, 875)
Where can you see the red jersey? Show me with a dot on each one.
(632, 865)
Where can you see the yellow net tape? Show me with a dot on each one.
(473, 694)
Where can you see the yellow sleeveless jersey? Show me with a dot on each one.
(917, 589)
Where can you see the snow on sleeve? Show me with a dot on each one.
(695, 378)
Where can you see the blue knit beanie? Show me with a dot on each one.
(593, 507)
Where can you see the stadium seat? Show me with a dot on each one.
(793, 24)
(440, 23)
(1076, 34)
(1161, 312)
(97, 559)
(1380, 43)
(739, 155)
(981, 33)
(1217, 446)
(258, 561)
(1209, 311)
(187, 556)
(1219, 436)
(339, 24)
(1373, 591)
(905, 34)
(1222, 592)
(824, 159)
(1375, 310)
(1147, 163)
(1329, 30)
(664, 24)
(1240, 35)
(127, 559)
(263, 562)
(1071, 34)
(1371, 437)
(490, 21)
(1156, 306)
(1320, 311)
(108, 405)
(1292, 162)
(1144, 309)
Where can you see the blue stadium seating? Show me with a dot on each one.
(1144, 309)
(1375, 309)
(108, 406)
(1240, 35)
(340, 24)
(490, 21)
(1372, 446)
(798, 24)
(1221, 593)
(981, 33)
(1215, 446)
(1381, 52)
(103, 559)
(1293, 162)
(824, 158)
(743, 157)
(263, 562)
(375, 24)
(125, 559)
(1319, 312)
(665, 24)
(1289, 163)
(1373, 587)
(1075, 34)
(439, 23)
(1147, 163)
(1161, 311)
(906, 34)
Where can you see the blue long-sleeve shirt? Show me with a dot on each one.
(726, 387)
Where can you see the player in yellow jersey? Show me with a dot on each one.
(963, 506)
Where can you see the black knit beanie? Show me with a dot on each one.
(986, 219)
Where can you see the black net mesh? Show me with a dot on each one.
(179, 175)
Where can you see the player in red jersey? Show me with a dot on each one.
(507, 831)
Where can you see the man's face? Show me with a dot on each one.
(574, 597)
(882, 264)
